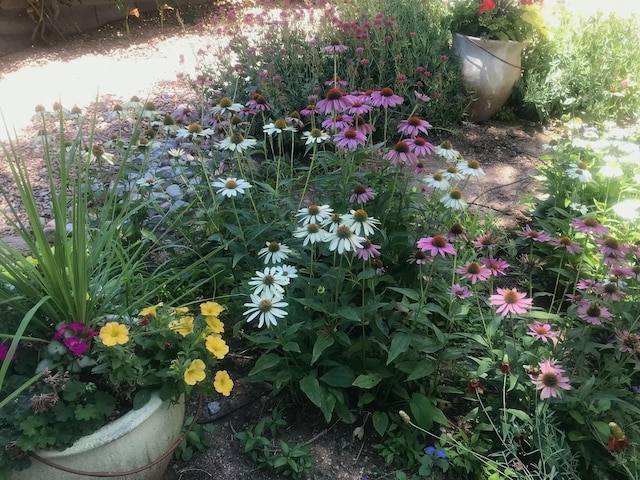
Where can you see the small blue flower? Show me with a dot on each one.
(441, 454)
(430, 450)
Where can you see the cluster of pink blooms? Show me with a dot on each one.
(76, 337)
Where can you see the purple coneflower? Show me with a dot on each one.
(358, 107)
(362, 194)
(589, 225)
(401, 154)
(335, 46)
(413, 126)
(593, 313)
(550, 379)
(474, 271)
(543, 332)
(610, 292)
(368, 250)
(535, 235)
(510, 301)
(335, 101)
(566, 243)
(486, 240)
(496, 265)
(611, 247)
(628, 342)
(385, 98)
(258, 104)
(419, 146)
(350, 138)
(436, 245)
(460, 292)
(419, 257)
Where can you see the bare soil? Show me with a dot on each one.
(145, 63)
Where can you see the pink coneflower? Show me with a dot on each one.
(475, 271)
(486, 240)
(621, 271)
(456, 232)
(385, 98)
(338, 122)
(593, 313)
(587, 284)
(535, 235)
(336, 82)
(335, 101)
(258, 104)
(401, 154)
(362, 126)
(510, 301)
(420, 146)
(568, 244)
(350, 139)
(461, 292)
(421, 96)
(611, 247)
(610, 292)
(309, 110)
(368, 250)
(496, 265)
(413, 126)
(628, 342)
(550, 379)
(358, 107)
(335, 46)
(362, 194)
(436, 245)
(589, 225)
(419, 257)
(543, 332)
(420, 168)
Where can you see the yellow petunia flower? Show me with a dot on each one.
(223, 383)
(217, 346)
(114, 333)
(195, 373)
(180, 310)
(211, 309)
(150, 311)
(214, 324)
(184, 325)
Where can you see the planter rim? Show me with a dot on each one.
(109, 432)
(479, 39)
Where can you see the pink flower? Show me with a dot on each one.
(413, 126)
(496, 265)
(385, 98)
(534, 235)
(337, 122)
(589, 225)
(258, 104)
(368, 250)
(550, 379)
(362, 194)
(436, 245)
(459, 291)
(593, 313)
(629, 342)
(611, 247)
(543, 332)
(76, 346)
(4, 350)
(361, 125)
(421, 168)
(401, 154)
(510, 301)
(419, 257)
(309, 110)
(421, 96)
(609, 291)
(350, 139)
(420, 147)
(566, 243)
(359, 108)
(486, 240)
(335, 101)
(475, 271)
(585, 284)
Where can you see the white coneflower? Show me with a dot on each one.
(314, 214)
(148, 180)
(231, 187)
(176, 152)
(360, 222)
(274, 252)
(266, 308)
(275, 128)
(134, 104)
(269, 281)
(451, 173)
(454, 200)
(315, 136)
(344, 240)
(312, 233)
(193, 132)
(236, 143)
(446, 151)
(579, 171)
(471, 168)
(226, 105)
(436, 181)
(288, 271)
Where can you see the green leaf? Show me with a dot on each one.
(407, 292)
(141, 399)
(367, 381)
(424, 411)
(519, 414)
(380, 422)
(399, 344)
(424, 368)
(265, 362)
(341, 377)
(323, 342)
(311, 388)
(577, 416)
(601, 427)
(86, 412)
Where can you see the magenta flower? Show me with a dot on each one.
(456, 232)
(362, 194)
(496, 265)
(420, 168)
(593, 313)
(338, 122)
(76, 346)
(475, 271)
(566, 243)
(461, 292)
(368, 250)
(258, 104)
(362, 126)
(550, 379)
(610, 292)
(621, 271)
(543, 332)
(628, 342)
(534, 235)
(358, 107)
(385, 98)
(419, 257)
(436, 245)
(309, 110)
(611, 247)
(586, 284)
(350, 139)
(421, 96)
(4, 351)
(420, 147)
(510, 301)
(589, 225)
(335, 101)
(335, 46)
(401, 154)
(413, 126)
(486, 240)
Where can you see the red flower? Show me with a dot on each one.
(475, 386)
(487, 5)
(618, 440)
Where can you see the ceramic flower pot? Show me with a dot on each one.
(129, 443)
(490, 68)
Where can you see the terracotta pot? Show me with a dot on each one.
(490, 68)
(132, 441)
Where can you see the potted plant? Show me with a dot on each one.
(82, 343)
(489, 37)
